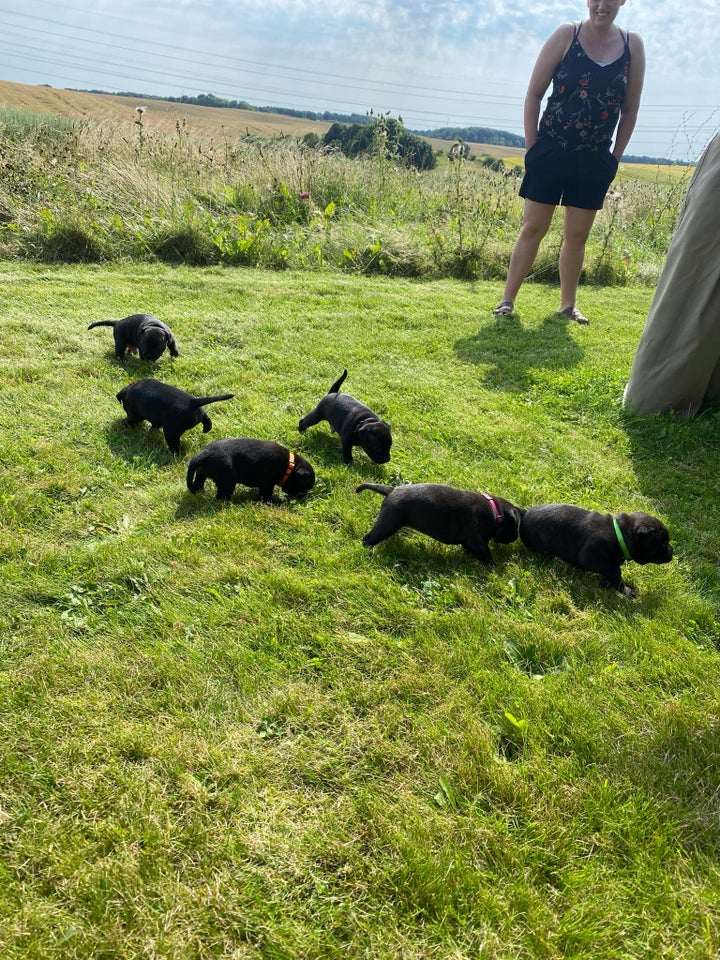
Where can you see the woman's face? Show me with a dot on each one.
(603, 12)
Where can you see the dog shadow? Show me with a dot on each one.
(585, 590)
(139, 444)
(135, 368)
(324, 449)
(320, 446)
(513, 352)
(205, 503)
(415, 557)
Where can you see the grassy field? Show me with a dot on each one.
(227, 730)
(161, 116)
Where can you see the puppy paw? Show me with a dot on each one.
(301, 426)
(624, 588)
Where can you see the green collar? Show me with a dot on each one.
(621, 540)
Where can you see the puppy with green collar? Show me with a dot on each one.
(599, 542)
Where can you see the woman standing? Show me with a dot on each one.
(597, 72)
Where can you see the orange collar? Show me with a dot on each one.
(290, 468)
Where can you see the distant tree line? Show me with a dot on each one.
(500, 138)
(660, 161)
(210, 100)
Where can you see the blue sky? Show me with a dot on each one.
(447, 62)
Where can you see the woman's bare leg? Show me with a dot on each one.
(536, 223)
(576, 229)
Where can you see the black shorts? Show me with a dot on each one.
(573, 178)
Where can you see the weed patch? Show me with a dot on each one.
(81, 192)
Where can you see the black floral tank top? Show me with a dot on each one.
(583, 108)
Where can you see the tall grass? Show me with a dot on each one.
(81, 191)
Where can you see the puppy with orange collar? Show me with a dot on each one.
(254, 463)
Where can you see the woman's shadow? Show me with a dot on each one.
(512, 352)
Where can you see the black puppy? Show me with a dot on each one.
(356, 424)
(141, 333)
(168, 407)
(254, 463)
(445, 514)
(596, 541)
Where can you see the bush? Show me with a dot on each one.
(190, 244)
(61, 240)
(384, 137)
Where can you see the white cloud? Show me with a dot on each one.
(347, 55)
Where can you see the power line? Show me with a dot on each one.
(215, 57)
(233, 61)
(36, 55)
(244, 88)
(151, 75)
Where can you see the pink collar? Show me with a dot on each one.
(498, 515)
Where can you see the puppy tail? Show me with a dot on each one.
(338, 383)
(383, 488)
(103, 323)
(194, 482)
(202, 401)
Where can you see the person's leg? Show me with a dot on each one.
(576, 229)
(536, 222)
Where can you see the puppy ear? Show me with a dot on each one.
(514, 515)
(651, 532)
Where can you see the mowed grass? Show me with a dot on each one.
(227, 730)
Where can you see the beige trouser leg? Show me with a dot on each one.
(677, 363)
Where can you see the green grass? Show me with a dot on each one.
(230, 731)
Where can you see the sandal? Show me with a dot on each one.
(504, 308)
(572, 313)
